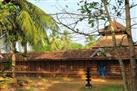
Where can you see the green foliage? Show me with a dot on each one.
(62, 42)
(41, 21)
(91, 41)
(57, 44)
(41, 48)
(7, 13)
(6, 65)
(93, 10)
(24, 22)
(76, 46)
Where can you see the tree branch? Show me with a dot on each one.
(76, 31)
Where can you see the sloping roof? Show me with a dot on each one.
(106, 41)
(118, 28)
(83, 54)
(109, 53)
(69, 54)
(54, 55)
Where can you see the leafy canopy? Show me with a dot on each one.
(22, 21)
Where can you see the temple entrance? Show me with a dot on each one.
(101, 68)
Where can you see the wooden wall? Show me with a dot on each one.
(69, 68)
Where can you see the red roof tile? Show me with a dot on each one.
(106, 41)
(83, 54)
(118, 28)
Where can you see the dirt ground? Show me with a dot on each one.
(62, 84)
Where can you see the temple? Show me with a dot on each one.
(101, 59)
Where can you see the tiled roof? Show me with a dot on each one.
(118, 28)
(55, 55)
(106, 41)
(79, 54)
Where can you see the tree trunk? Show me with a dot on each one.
(123, 73)
(25, 49)
(13, 59)
(124, 76)
(131, 47)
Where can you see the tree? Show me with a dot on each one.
(91, 41)
(131, 47)
(95, 11)
(62, 42)
(22, 21)
(123, 73)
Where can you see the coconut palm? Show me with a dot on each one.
(26, 21)
(22, 21)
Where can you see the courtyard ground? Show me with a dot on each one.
(63, 84)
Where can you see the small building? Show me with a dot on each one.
(101, 59)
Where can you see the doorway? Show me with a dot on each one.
(101, 68)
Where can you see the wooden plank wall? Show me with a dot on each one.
(70, 68)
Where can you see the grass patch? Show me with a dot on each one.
(111, 88)
(103, 88)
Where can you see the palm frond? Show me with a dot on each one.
(32, 33)
(39, 17)
(43, 17)
(27, 26)
(39, 20)
(27, 22)
(6, 17)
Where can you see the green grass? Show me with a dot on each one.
(111, 88)
(103, 88)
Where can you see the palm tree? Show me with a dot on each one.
(22, 21)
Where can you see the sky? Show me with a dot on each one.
(134, 21)
(56, 6)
